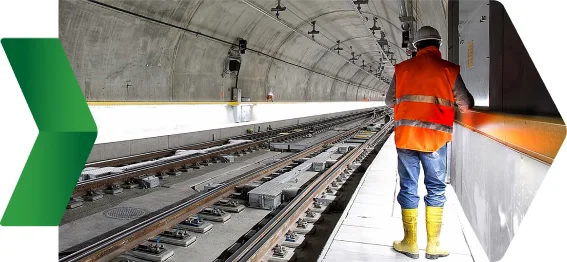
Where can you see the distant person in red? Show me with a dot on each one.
(270, 97)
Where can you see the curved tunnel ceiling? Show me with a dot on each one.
(175, 50)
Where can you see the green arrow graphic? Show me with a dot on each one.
(66, 136)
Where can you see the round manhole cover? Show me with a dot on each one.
(124, 213)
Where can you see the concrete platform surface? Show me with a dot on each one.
(372, 220)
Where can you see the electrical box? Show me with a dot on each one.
(236, 95)
(242, 113)
(150, 182)
(318, 166)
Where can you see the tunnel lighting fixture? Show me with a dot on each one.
(278, 9)
(313, 32)
(339, 48)
(360, 2)
(354, 57)
(375, 28)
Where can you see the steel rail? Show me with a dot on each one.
(171, 151)
(265, 238)
(127, 238)
(104, 181)
(167, 152)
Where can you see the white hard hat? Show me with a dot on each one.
(427, 33)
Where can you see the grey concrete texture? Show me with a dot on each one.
(131, 147)
(121, 57)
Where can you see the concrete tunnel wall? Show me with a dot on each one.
(121, 57)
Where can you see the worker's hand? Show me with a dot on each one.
(463, 109)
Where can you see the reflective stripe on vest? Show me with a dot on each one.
(422, 124)
(424, 99)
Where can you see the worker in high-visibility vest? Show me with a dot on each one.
(423, 93)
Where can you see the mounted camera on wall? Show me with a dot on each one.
(233, 64)
(234, 59)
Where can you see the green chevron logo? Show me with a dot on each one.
(67, 132)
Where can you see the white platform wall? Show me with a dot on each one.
(128, 122)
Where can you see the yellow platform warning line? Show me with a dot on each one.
(160, 103)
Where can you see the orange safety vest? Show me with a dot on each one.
(424, 110)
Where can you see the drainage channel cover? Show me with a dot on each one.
(124, 213)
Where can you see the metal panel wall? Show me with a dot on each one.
(515, 85)
(453, 32)
(495, 186)
(474, 55)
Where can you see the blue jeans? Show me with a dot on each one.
(435, 170)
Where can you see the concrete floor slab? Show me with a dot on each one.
(372, 220)
(358, 252)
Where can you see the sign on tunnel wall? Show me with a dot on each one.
(471, 54)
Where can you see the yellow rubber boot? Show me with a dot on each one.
(433, 220)
(408, 246)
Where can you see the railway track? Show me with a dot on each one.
(256, 141)
(168, 152)
(122, 239)
(259, 246)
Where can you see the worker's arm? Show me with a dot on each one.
(463, 97)
(391, 94)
